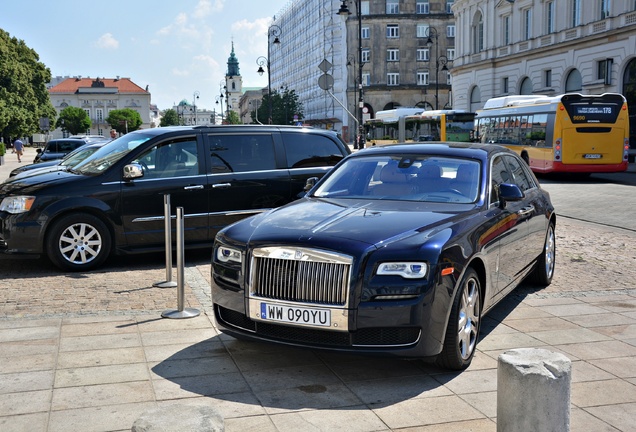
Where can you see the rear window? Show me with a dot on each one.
(306, 150)
(63, 146)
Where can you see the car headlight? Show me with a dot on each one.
(408, 270)
(227, 254)
(17, 204)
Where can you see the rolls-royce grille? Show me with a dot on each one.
(301, 278)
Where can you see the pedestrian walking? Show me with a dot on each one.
(18, 146)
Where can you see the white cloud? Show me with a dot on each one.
(107, 41)
(205, 7)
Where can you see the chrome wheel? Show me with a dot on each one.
(462, 331)
(468, 322)
(549, 252)
(80, 243)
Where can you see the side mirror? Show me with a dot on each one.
(38, 151)
(311, 182)
(133, 171)
(509, 192)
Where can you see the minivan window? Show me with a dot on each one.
(111, 153)
(241, 153)
(310, 150)
(176, 158)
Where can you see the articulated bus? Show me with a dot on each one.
(568, 133)
(415, 124)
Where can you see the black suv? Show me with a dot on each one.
(113, 201)
(57, 149)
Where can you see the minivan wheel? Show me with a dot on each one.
(463, 324)
(78, 242)
(544, 270)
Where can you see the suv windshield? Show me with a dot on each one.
(111, 153)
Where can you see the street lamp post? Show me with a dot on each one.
(439, 60)
(219, 98)
(344, 13)
(195, 96)
(273, 31)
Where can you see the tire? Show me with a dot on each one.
(544, 270)
(78, 242)
(463, 324)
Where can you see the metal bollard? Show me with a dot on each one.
(181, 311)
(167, 217)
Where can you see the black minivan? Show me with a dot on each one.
(113, 202)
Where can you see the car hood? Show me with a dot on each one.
(40, 170)
(28, 184)
(370, 222)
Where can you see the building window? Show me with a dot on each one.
(477, 33)
(393, 55)
(450, 31)
(527, 24)
(606, 7)
(366, 55)
(365, 33)
(604, 70)
(575, 12)
(393, 79)
(547, 78)
(506, 30)
(392, 31)
(449, 6)
(450, 54)
(392, 7)
(422, 78)
(549, 17)
(364, 7)
(422, 7)
(99, 115)
(504, 85)
(422, 31)
(423, 54)
(87, 111)
(366, 79)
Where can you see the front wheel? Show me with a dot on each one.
(78, 242)
(463, 324)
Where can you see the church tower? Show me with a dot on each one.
(233, 82)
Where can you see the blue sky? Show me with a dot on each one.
(174, 47)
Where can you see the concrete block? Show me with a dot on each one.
(533, 391)
(180, 417)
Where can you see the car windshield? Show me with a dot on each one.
(78, 156)
(110, 153)
(426, 178)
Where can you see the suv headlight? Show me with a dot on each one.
(408, 270)
(227, 254)
(17, 204)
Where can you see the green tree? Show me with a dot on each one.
(24, 98)
(74, 120)
(169, 118)
(124, 120)
(285, 105)
(232, 118)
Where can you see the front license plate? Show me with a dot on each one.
(296, 315)
(592, 156)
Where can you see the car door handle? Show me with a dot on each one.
(193, 187)
(221, 185)
(526, 211)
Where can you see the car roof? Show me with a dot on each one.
(457, 149)
(227, 128)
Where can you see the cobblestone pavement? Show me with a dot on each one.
(90, 351)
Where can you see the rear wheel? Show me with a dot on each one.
(78, 242)
(463, 324)
(543, 272)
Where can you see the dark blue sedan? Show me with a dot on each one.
(398, 250)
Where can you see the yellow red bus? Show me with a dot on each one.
(572, 133)
(415, 124)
